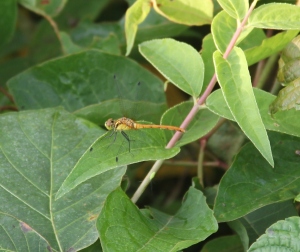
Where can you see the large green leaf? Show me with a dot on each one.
(83, 79)
(251, 183)
(285, 121)
(284, 234)
(8, 14)
(114, 150)
(153, 230)
(234, 79)
(178, 62)
(38, 149)
(274, 16)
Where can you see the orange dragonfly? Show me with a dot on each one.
(122, 124)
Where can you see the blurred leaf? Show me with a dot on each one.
(251, 183)
(178, 62)
(235, 8)
(135, 15)
(114, 150)
(274, 16)
(202, 123)
(288, 98)
(259, 220)
(241, 231)
(79, 80)
(228, 243)
(286, 122)
(234, 79)
(289, 62)
(283, 234)
(155, 231)
(38, 150)
(77, 10)
(8, 17)
(188, 12)
(226, 141)
(44, 7)
(269, 46)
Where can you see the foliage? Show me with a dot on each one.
(68, 66)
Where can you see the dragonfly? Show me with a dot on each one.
(124, 124)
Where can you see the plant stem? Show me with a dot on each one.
(194, 110)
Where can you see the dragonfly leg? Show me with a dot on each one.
(127, 138)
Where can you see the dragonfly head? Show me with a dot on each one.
(110, 124)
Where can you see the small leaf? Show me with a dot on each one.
(188, 12)
(135, 15)
(278, 16)
(153, 230)
(235, 8)
(285, 122)
(250, 183)
(202, 123)
(284, 234)
(234, 79)
(288, 98)
(178, 62)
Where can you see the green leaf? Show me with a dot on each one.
(223, 28)
(114, 150)
(269, 46)
(178, 62)
(135, 15)
(45, 8)
(286, 122)
(235, 8)
(188, 12)
(259, 220)
(284, 234)
(38, 149)
(278, 16)
(202, 123)
(154, 230)
(8, 14)
(234, 79)
(223, 244)
(288, 98)
(250, 183)
(82, 79)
